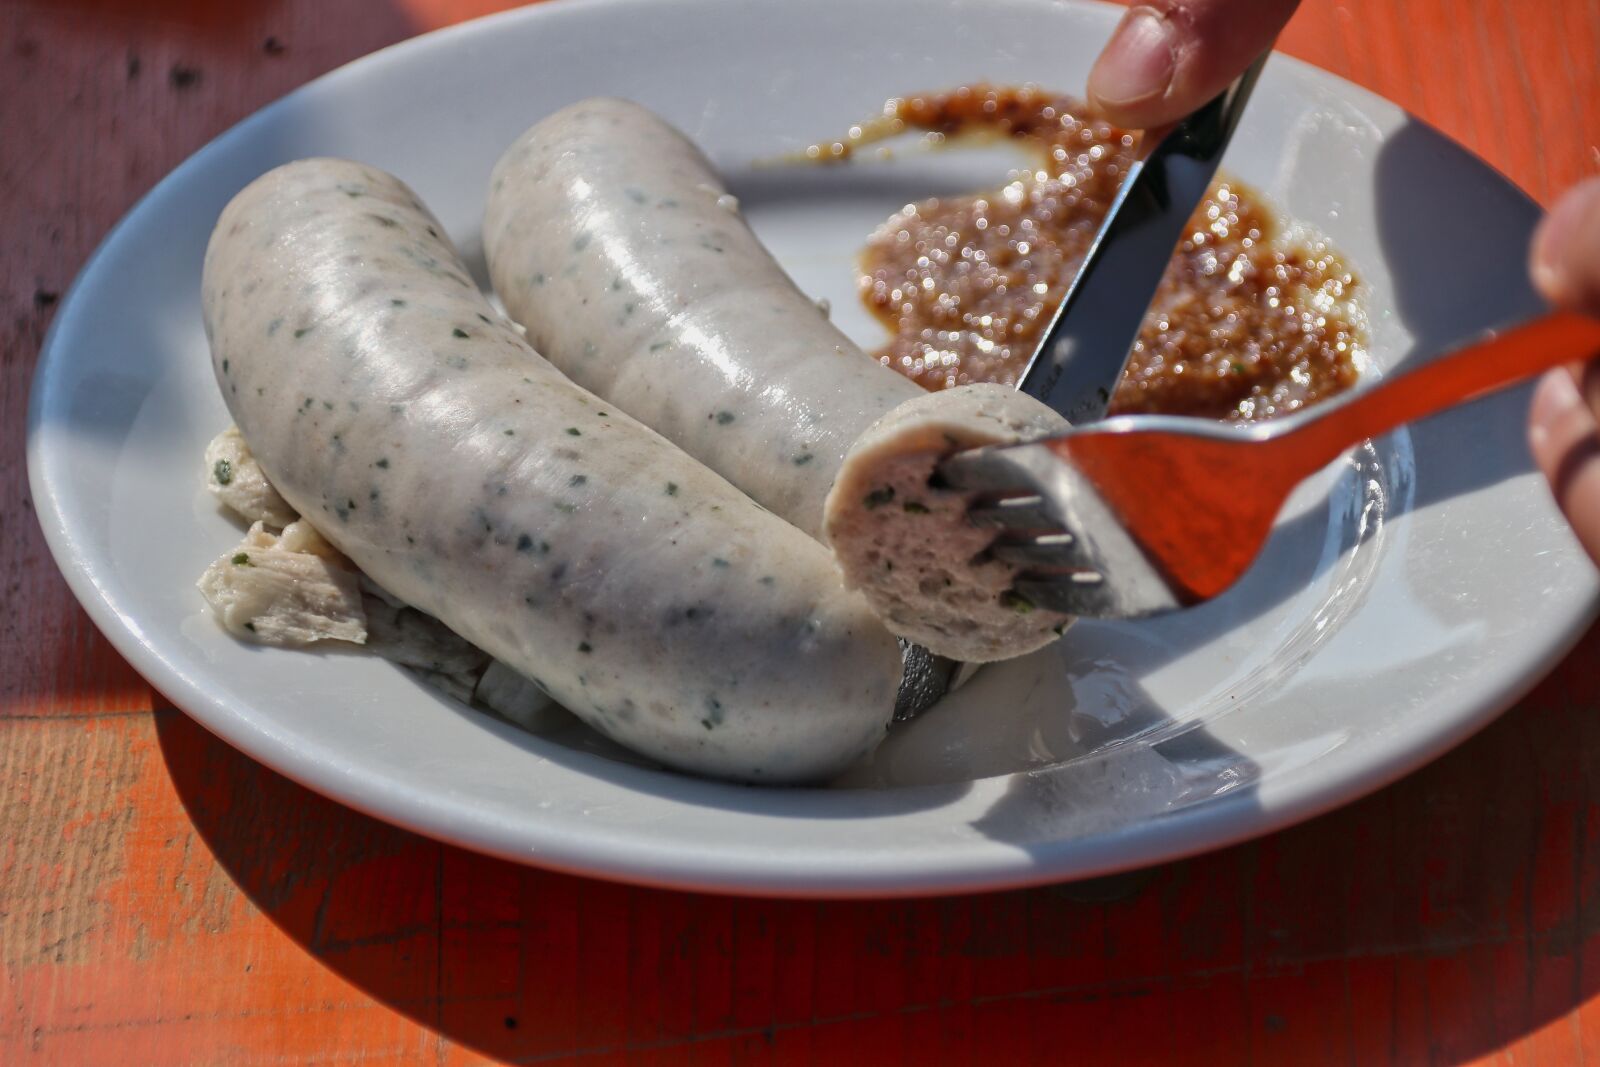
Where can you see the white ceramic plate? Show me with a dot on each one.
(1409, 595)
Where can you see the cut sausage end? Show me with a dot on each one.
(907, 544)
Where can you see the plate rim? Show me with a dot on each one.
(1215, 824)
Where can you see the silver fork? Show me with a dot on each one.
(1142, 515)
(1082, 354)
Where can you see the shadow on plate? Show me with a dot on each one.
(575, 745)
(1464, 224)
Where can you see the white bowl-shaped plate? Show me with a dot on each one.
(1409, 594)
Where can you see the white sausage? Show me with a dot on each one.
(610, 237)
(428, 442)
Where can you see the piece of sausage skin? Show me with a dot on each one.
(610, 238)
(395, 410)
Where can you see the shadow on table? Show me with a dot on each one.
(1446, 916)
(221, 20)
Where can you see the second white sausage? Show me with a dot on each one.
(611, 238)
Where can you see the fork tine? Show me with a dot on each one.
(1013, 512)
(1078, 593)
(1070, 552)
(983, 470)
(1051, 551)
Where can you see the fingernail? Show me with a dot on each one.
(1555, 399)
(1138, 63)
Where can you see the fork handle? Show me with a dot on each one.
(1500, 359)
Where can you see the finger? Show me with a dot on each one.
(1566, 250)
(1167, 57)
(1566, 444)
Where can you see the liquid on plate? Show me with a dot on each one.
(1247, 324)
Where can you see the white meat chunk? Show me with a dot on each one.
(274, 591)
(291, 590)
(235, 478)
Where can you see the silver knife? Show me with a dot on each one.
(1077, 365)
(1081, 358)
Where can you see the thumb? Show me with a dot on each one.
(1167, 57)
(1566, 444)
(1566, 250)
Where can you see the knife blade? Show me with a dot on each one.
(1077, 365)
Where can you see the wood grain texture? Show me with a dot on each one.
(164, 899)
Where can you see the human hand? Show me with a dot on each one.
(1563, 431)
(1167, 57)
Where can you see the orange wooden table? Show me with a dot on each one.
(164, 899)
